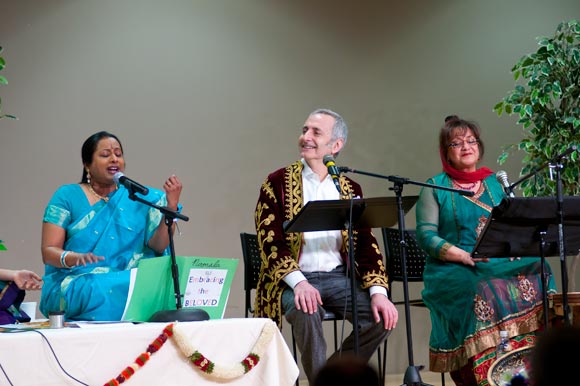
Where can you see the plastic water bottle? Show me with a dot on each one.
(504, 344)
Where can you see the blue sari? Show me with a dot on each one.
(118, 230)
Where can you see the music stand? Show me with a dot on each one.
(328, 215)
(325, 215)
(411, 377)
(520, 227)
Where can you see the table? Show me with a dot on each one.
(97, 353)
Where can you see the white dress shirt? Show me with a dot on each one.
(320, 249)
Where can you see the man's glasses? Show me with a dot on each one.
(459, 144)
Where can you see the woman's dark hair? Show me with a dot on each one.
(89, 147)
(455, 124)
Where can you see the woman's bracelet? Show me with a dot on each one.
(63, 261)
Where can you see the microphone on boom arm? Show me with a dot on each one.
(132, 186)
(502, 178)
(333, 170)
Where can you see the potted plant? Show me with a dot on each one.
(3, 81)
(546, 99)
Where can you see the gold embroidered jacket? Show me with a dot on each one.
(279, 201)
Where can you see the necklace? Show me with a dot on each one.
(464, 187)
(105, 198)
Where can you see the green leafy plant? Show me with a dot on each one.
(546, 100)
(3, 81)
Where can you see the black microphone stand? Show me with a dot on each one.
(556, 163)
(179, 314)
(352, 273)
(412, 376)
(351, 264)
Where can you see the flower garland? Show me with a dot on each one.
(143, 358)
(207, 367)
(220, 372)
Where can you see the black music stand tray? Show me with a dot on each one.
(324, 215)
(520, 227)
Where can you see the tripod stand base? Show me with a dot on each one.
(181, 315)
(412, 377)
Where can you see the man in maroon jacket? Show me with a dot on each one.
(304, 274)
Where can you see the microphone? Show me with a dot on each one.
(132, 186)
(332, 170)
(502, 178)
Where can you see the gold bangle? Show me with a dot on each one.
(443, 251)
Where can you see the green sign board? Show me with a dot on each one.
(204, 282)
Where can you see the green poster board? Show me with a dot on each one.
(204, 282)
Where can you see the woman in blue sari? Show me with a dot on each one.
(93, 234)
(471, 299)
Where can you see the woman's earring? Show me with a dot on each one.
(88, 177)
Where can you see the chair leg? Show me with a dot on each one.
(335, 337)
(380, 367)
(383, 363)
(442, 379)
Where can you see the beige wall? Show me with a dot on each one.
(216, 92)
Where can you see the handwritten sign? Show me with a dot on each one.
(204, 287)
(204, 283)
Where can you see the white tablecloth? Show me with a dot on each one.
(96, 354)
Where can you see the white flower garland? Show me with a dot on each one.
(226, 372)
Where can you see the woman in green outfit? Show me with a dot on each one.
(471, 299)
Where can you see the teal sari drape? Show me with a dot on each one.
(118, 230)
(468, 305)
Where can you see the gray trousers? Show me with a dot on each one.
(334, 288)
